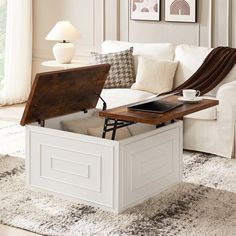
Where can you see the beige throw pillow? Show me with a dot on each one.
(81, 126)
(155, 76)
(121, 133)
(93, 126)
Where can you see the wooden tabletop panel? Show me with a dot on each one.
(125, 114)
(63, 92)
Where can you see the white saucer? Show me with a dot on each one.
(195, 100)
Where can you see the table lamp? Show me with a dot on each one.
(63, 32)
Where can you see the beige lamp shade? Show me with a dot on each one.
(63, 31)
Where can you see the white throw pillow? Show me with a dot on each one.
(155, 76)
(121, 133)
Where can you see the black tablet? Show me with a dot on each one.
(158, 106)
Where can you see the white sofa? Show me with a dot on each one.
(211, 130)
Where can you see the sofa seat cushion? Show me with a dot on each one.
(162, 51)
(118, 97)
(206, 114)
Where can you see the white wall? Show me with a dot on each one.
(98, 20)
(215, 26)
(86, 15)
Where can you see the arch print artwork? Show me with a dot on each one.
(145, 10)
(180, 10)
(179, 7)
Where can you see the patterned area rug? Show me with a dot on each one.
(204, 204)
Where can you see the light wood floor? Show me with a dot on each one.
(12, 113)
(10, 231)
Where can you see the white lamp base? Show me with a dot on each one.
(63, 52)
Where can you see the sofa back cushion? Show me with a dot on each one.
(162, 51)
(190, 59)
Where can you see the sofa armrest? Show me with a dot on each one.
(226, 119)
(226, 96)
(226, 110)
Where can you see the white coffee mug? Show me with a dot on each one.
(190, 94)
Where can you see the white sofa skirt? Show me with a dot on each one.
(209, 136)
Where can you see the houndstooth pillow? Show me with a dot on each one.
(121, 74)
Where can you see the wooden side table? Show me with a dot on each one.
(55, 64)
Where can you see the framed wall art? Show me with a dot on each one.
(145, 10)
(181, 10)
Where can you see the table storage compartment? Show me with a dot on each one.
(113, 175)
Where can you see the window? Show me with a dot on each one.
(3, 10)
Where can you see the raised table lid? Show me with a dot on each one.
(64, 92)
(126, 114)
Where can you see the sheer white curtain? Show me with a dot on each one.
(18, 52)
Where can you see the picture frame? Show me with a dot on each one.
(181, 11)
(145, 10)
